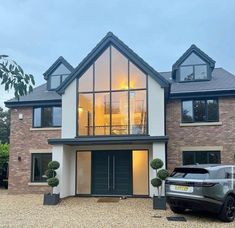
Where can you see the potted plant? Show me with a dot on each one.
(53, 181)
(159, 202)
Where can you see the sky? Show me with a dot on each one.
(35, 33)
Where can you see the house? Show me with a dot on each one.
(105, 120)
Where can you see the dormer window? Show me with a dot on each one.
(58, 76)
(57, 73)
(193, 65)
(193, 68)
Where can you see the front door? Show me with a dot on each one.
(111, 173)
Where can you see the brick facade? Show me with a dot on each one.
(200, 136)
(23, 140)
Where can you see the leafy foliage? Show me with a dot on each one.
(50, 173)
(53, 182)
(53, 165)
(4, 154)
(156, 163)
(4, 126)
(161, 174)
(13, 76)
(156, 182)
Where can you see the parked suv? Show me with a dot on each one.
(203, 187)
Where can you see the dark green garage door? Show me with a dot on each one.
(111, 173)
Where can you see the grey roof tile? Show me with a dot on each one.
(221, 80)
(39, 93)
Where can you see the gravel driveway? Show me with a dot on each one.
(28, 211)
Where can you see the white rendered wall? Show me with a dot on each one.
(69, 111)
(155, 108)
(65, 155)
(158, 151)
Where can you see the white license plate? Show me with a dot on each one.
(179, 188)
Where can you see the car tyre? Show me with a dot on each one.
(177, 210)
(227, 213)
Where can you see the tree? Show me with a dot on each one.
(4, 126)
(161, 175)
(13, 76)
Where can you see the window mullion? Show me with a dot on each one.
(128, 96)
(110, 88)
(93, 97)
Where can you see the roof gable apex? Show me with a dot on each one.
(193, 49)
(111, 39)
(56, 64)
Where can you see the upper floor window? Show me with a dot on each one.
(58, 76)
(112, 97)
(200, 111)
(47, 117)
(193, 68)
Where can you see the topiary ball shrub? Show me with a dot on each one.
(162, 174)
(53, 182)
(156, 163)
(53, 165)
(50, 173)
(156, 182)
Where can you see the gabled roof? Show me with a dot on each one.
(111, 39)
(59, 61)
(222, 83)
(197, 51)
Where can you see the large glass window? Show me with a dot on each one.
(39, 166)
(47, 117)
(112, 97)
(200, 111)
(85, 111)
(201, 157)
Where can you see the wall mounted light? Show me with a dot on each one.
(19, 158)
(20, 116)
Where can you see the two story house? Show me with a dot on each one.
(105, 120)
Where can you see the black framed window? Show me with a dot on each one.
(193, 69)
(201, 157)
(112, 97)
(47, 117)
(39, 166)
(202, 110)
(58, 76)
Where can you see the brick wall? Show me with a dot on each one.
(223, 135)
(22, 140)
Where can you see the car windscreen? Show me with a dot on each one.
(190, 173)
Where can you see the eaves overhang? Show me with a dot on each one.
(107, 140)
(40, 103)
(202, 94)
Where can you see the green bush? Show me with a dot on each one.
(53, 165)
(162, 174)
(53, 182)
(50, 173)
(156, 163)
(4, 154)
(156, 182)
